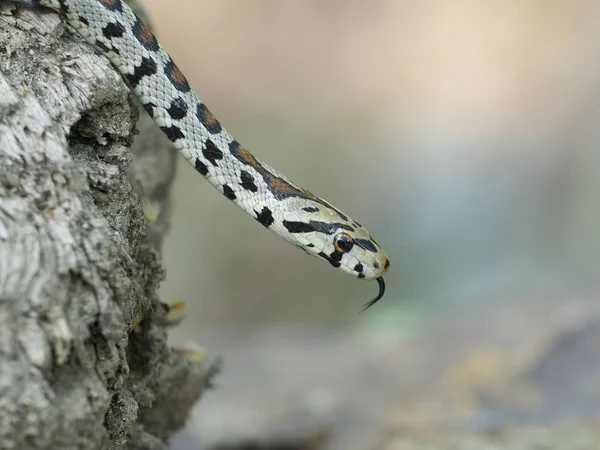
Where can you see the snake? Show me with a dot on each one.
(295, 214)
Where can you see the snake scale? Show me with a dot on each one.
(298, 216)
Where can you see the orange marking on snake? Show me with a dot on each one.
(278, 185)
(209, 117)
(178, 76)
(146, 34)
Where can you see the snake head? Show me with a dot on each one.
(322, 230)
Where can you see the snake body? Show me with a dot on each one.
(295, 214)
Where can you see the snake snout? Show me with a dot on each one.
(381, 264)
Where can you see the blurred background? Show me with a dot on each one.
(465, 136)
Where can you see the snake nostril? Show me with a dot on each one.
(387, 263)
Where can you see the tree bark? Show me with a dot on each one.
(79, 260)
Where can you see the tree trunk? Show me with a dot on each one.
(79, 259)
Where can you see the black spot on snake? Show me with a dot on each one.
(247, 181)
(64, 8)
(83, 20)
(336, 256)
(201, 167)
(303, 249)
(228, 192)
(113, 30)
(265, 217)
(207, 119)
(310, 209)
(315, 225)
(341, 214)
(112, 5)
(176, 77)
(387, 264)
(146, 68)
(178, 109)
(149, 108)
(358, 268)
(366, 244)
(361, 275)
(102, 46)
(298, 227)
(173, 132)
(326, 257)
(310, 245)
(144, 35)
(211, 152)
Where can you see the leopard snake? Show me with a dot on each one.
(295, 214)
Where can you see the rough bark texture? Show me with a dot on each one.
(79, 262)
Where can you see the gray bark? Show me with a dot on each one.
(79, 261)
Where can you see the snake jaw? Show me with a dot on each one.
(379, 295)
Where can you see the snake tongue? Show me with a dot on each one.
(379, 295)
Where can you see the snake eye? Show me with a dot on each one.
(343, 243)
